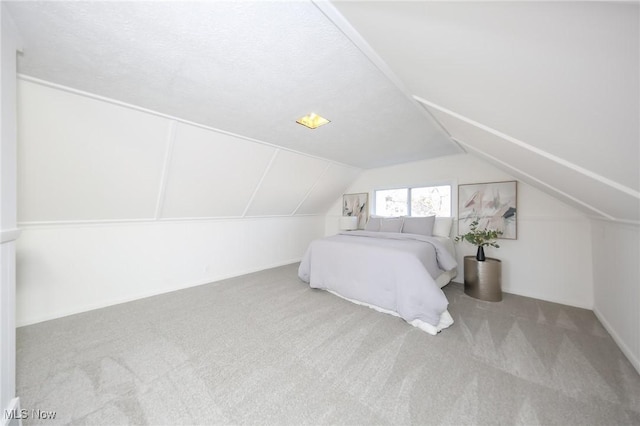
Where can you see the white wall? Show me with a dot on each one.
(117, 202)
(9, 41)
(616, 276)
(68, 269)
(547, 261)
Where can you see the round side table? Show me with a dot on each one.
(483, 280)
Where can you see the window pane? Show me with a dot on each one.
(391, 202)
(432, 200)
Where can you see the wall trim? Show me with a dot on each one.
(523, 218)
(611, 183)
(535, 296)
(14, 405)
(150, 221)
(143, 295)
(259, 185)
(528, 176)
(311, 189)
(633, 358)
(170, 117)
(171, 138)
(345, 27)
(631, 224)
(570, 219)
(9, 235)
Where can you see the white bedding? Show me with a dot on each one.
(390, 272)
(446, 276)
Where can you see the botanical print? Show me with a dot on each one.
(492, 204)
(356, 205)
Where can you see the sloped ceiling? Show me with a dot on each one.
(548, 91)
(250, 68)
(82, 159)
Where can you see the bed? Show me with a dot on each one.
(399, 273)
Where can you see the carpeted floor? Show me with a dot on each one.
(266, 349)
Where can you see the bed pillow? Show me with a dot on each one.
(418, 225)
(373, 224)
(442, 227)
(391, 225)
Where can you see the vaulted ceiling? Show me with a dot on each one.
(251, 68)
(548, 91)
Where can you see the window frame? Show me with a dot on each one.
(451, 184)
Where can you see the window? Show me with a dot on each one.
(420, 201)
(392, 202)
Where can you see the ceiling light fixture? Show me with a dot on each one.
(312, 121)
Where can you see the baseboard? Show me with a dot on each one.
(532, 296)
(633, 358)
(50, 316)
(11, 415)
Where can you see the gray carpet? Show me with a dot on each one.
(266, 349)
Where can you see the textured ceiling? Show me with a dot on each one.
(250, 68)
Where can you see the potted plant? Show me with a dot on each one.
(480, 238)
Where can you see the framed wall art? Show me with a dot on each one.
(493, 204)
(356, 205)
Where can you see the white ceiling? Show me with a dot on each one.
(548, 91)
(250, 68)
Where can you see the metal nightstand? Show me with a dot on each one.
(483, 280)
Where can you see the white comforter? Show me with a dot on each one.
(391, 272)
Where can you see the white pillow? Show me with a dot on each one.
(373, 224)
(418, 225)
(442, 226)
(391, 225)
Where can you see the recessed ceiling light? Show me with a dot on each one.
(312, 121)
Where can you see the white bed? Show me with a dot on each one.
(446, 276)
(400, 273)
